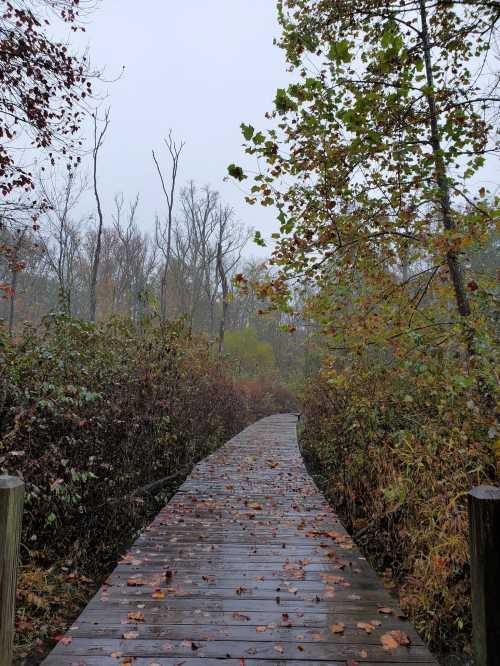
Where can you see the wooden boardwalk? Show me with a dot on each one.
(247, 564)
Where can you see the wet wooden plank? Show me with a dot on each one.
(193, 661)
(271, 631)
(247, 564)
(216, 649)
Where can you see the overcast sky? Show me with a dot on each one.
(200, 67)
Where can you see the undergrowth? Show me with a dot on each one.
(397, 452)
(88, 416)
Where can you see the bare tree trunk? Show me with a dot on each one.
(164, 240)
(15, 267)
(221, 270)
(12, 302)
(98, 141)
(163, 290)
(452, 259)
(225, 299)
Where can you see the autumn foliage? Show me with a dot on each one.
(375, 161)
(88, 416)
(44, 86)
(397, 453)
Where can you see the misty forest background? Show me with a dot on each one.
(132, 344)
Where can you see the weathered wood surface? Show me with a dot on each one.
(247, 564)
(11, 512)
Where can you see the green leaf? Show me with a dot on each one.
(258, 240)
(283, 102)
(339, 51)
(247, 131)
(236, 172)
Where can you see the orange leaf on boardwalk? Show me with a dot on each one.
(337, 628)
(136, 582)
(158, 594)
(131, 635)
(136, 617)
(385, 610)
(366, 626)
(394, 639)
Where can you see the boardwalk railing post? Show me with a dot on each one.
(11, 511)
(484, 530)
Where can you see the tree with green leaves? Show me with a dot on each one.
(249, 356)
(372, 164)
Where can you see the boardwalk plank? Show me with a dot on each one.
(247, 564)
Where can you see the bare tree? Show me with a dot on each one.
(199, 227)
(163, 231)
(232, 238)
(98, 141)
(61, 243)
(135, 261)
(16, 265)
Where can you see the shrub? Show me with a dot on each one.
(90, 414)
(397, 450)
(263, 397)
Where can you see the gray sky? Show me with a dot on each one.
(200, 67)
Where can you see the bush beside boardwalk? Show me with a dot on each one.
(89, 414)
(397, 453)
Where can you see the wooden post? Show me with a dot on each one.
(484, 530)
(11, 511)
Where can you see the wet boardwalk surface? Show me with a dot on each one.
(246, 565)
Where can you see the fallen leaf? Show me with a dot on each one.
(366, 626)
(130, 635)
(330, 578)
(240, 616)
(337, 628)
(136, 617)
(385, 610)
(394, 639)
(158, 594)
(279, 648)
(260, 629)
(64, 640)
(135, 582)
